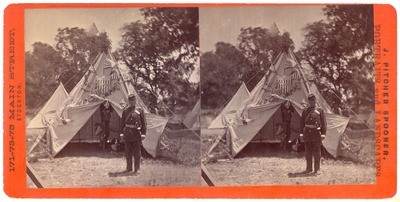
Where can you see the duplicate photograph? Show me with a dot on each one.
(287, 95)
(112, 97)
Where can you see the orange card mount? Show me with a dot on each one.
(19, 175)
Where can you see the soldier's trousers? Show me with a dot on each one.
(133, 148)
(313, 149)
(106, 130)
(287, 129)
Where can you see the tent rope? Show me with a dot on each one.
(248, 81)
(216, 143)
(345, 103)
(43, 102)
(218, 110)
(364, 122)
(358, 117)
(254, 76)
(165, 105)
(36, 144)
(72, 77)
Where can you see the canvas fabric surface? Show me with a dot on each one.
(66, 115)
(287, 80)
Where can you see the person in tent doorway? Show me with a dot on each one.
(133, 128)
(287, 110)
(313, 125)
(105, 113)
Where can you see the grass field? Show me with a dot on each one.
(267, 164)
(87, 165)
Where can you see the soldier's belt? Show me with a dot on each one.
(132, 126)
(310, 126)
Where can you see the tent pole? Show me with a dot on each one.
(358, 117)
(35, 143)
(352, 111)
(33, 175)
(197, 135)
(207, 177)
(226, 102)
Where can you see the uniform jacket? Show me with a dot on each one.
(105, 114)
(133, 117)
(313, 116)
(287, 113)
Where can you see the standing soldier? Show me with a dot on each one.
(105, 113)
(313, 125)
(287, 110)
(133, 127)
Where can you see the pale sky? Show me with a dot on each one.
(224, 23)
(216, 23)
(42, 24)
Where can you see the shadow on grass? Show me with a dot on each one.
(268, 150)
(79, 149)
(302, 174)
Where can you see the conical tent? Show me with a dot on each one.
(93, 31)
(59, 96)
(258, 117)
(76, 116)
(192, 119)
(371, 120)
(37, 126)
(236, 101)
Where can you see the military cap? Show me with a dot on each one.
(131, 97)
(311, 96)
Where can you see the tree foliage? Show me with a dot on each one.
(260, 47)
(40, 74)
(221, 74)
(224, 70)
(340, 50)
(162, 52)
(67, 62)
(78, 48)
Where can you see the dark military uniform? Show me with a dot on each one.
(105, 121)
(133, 125)
(313, 125)
(286, 121)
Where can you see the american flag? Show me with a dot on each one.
(103, 84)
(284, 84)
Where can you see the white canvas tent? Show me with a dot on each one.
(236, 101)
(192, 119)
(73, 116)
(59, 96)
(258, 117)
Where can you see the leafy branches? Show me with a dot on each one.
(163, 52)
(340, 52)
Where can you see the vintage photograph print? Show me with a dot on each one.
(288, 95)
(111, 97)
(200, 101)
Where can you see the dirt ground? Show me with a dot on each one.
(86, 165)
(266, 164)
(273, 169)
